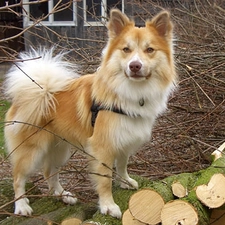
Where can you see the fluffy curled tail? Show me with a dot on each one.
(31, 83)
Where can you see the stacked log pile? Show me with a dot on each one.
(194, 195)
(183, 199)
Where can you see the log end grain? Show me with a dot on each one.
(128, 219)
(71, 221)
(212, 194)
(179, 212)
(179, 190)
(146, 205)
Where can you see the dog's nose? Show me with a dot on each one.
(135, 66)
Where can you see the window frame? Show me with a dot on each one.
(51, 22)
(104, 15)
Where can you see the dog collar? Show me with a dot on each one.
(96, 107)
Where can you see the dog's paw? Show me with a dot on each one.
(68, 198)
(129, 184)
(111, 209)
(22, 207)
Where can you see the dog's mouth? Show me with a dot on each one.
(138, 77)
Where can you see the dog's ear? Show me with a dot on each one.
(117, 22)
(162, 23)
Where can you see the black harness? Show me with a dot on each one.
(96, 107)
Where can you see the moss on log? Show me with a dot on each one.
(201, 213)
(46, 209)
(181, 184)
(52, 211)
(121, 197)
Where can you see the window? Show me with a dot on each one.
(10, 15)
(65, 14)
(52, 12)
(97, 11)
(38, 11)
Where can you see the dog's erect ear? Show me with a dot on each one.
(162, 23)
(117, 22)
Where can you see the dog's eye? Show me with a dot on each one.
(126, 50)
(150, 50)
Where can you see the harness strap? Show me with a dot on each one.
(95, 108)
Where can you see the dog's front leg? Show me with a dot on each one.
(121, 167)
(101, 173)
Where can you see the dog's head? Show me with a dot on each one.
(140, 54)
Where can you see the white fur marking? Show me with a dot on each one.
(22, 207)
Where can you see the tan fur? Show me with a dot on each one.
(50, 142)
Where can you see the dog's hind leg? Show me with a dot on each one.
(21, 203)
(56, 157)
(25, 161)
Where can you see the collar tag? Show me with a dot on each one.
(141, 102)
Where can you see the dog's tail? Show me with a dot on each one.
(32, 82)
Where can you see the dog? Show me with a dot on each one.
(110, 113)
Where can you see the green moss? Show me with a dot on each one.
(53, 210)
(163, 189)
(6, 197)
(122, 196)
(205, 175)
(187, 180)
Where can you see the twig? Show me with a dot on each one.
(28, 76)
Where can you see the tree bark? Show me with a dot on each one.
(217, 217)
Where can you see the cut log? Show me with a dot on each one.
(181, 184)
(212, 194)
(146, 205)
(191, 211)
(71, 221)
(218, 153)
(201, 212)
(90, 223)
(179, 190)
(179, 213)
(128, 219)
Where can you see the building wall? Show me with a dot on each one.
(81, 39)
